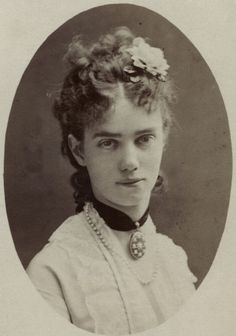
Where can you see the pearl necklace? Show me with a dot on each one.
(93, 224)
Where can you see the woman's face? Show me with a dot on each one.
(122, 154)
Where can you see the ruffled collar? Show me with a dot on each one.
(116, 219)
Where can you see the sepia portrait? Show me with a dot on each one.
(117, 169)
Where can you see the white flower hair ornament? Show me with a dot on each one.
(147, 58)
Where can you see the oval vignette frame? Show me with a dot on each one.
(210, 139)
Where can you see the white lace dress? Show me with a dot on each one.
(105, 291)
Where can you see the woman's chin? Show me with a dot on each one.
(131, 201)
(130, 198)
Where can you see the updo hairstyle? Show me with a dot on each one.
(95, 74)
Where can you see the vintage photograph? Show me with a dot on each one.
(117, 169)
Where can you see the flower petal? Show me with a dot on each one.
(135, 79)
(148, 58)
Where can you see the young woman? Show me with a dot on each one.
(106, 269)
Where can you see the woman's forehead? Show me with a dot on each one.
(126, 118)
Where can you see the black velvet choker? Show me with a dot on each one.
(116, 219)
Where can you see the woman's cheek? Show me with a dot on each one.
(154, 156)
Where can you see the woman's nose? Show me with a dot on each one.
(128, 159)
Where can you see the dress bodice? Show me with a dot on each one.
(103, 290)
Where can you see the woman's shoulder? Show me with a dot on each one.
(175, 256)
(69, 238)
(166, 243)
(73, 227)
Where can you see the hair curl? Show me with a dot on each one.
(90, 88)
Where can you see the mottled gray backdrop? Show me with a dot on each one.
(197, 162)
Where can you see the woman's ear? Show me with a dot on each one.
(76, 148)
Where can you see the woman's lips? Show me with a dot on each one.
(129, 182)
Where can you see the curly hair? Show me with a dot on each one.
(89, 90)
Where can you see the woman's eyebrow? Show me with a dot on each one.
(119, 135)
(106, 134)
(146, 130)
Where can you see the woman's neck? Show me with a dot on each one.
(134, 212)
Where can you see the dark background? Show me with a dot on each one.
(197, 162)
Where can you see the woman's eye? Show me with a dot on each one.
(145, 139)
(107, 144)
